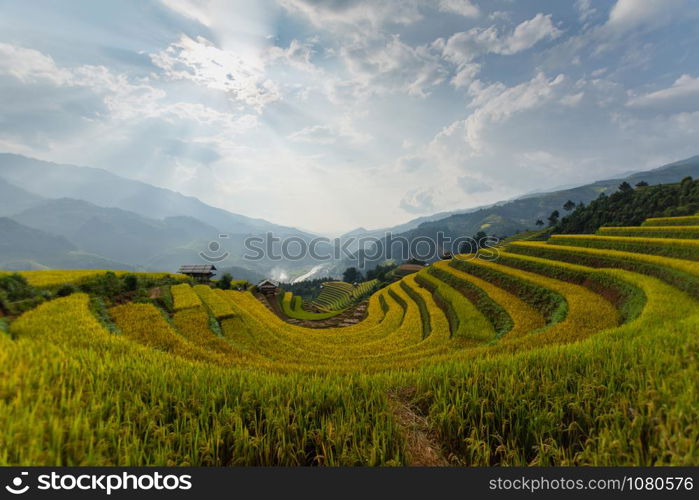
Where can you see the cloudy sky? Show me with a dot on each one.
(333, 114)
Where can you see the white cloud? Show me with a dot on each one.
(355, 15)
(464, 8)
(462, 48)
(628, 19)
(465, 75)
(114, 109)
(466, 46)
(418, 201)
(318, 134)
(124, 98)
(500, 15)
(346, 126)
(298, 54)
(585, 10)
(31, 66)
(529, 33)
(683, 95)
(341, 131)
(204, 64)
(630, 14)
(360, 90)
(572, 100)
(392, 66)
(496, 103)
(199, 10)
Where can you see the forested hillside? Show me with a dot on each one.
(507, 218)
(630, 206)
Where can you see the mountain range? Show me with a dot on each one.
(509, 217)
(97, 186)
(64, 216)
(106, 221)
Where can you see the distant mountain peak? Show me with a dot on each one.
(106, 189)
(354, 232)
(14, 199)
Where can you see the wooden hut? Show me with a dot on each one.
(200, 272)
(268, 287)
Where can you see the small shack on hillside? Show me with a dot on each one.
(268, 287)
(200, 272)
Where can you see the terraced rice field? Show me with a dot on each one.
(577, 351)
(688, 220)
(668, 231)
(668, 247)
(214, 301)
(184, 297)
(60, 277)
(337, 295)
(292, 307)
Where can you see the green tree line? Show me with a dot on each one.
(629, 206)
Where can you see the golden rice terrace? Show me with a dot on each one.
(577, 351)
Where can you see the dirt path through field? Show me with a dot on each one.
(421, 446)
